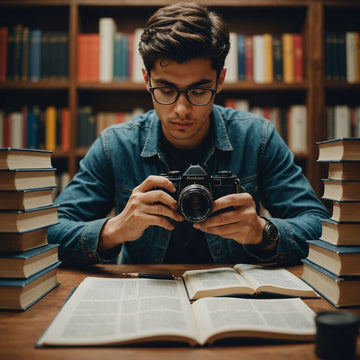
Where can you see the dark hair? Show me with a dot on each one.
(182, 32)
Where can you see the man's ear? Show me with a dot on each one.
(221, 80)
(146, 78)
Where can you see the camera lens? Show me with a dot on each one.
(195, 203)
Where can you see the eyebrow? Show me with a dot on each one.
(195, 84)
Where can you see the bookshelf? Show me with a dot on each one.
(311, 18)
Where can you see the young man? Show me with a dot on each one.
(184, 48)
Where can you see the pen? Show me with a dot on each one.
(150, 276)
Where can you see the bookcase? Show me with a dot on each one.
(311, 18)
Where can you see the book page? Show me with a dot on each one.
(115, 311)
(266, 318)
(215, 282)
(274, 280)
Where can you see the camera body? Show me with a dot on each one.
(196, 190)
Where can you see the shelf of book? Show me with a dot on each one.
(265, 19)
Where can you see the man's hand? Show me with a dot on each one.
(241, 223)
(145, 207)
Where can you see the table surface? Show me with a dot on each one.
(19, 331)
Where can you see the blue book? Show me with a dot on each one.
(35, 55)
(33, 116)
(27, 263)
(20, 294)
(277, 58)
(340, 260)
(124, 57)
(340, 291)
(241, 57)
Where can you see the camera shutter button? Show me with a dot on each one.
(225, 173)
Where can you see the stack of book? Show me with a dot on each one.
(28, 264)
(333, 263)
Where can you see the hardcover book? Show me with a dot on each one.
(340, 260)
(11, 158)
(341, 189)
(340, 233)
(22, 179)
(20, 294)
(339, 149)
(344, 170)
(341, 291)
(24, 240)
(152, 310)
(23, 220)
(27, 263)
(26, 199)
(346, 210)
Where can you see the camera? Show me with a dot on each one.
(196, 190)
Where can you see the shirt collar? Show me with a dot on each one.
(152, 143)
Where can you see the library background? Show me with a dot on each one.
(70, 68)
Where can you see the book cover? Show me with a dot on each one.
(21, 179)
(298, 57)
(249, 58)
(20, 294)
(27, 263)
(288, 57)
(335, 189)
(241, 57)
(26, 199)
(107, 30)
(19, 158)
(345, 210)
(277, 58)
(338, 290)
(23, 220)
(340, 260)
(340, 233)
(24, 240)
(231, 61)
(3, 52)
(259, 58)
(50, 128)
(268, 51)
(339, 149)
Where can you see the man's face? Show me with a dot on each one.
(183, 124)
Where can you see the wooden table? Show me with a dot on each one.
(19, 331)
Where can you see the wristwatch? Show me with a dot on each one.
(270, 236)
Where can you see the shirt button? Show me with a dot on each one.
(90, 256)
(219, 251)
(163, 238)
(157, 260)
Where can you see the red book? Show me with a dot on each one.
(131, 55)
(3, 52)
(298, 57)
(82, 58)
(93, 41)
(65, 129)
(249, 58)
(230, 102)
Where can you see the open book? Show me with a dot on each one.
(244, 279)
(104, 311)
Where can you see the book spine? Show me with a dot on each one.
(137, 62)
(107, 33)
(277, 59)
(297, 129)
(259, 58)
(241, 57)
(288, 58)
(93, 57)
(82, 58)
(65, 129)
(32, 128)
(269, 73)
(249, 58)
(50, 128)
(35, 55)
(350, 56)
(3, 52)
(298, 57)
(231, 61)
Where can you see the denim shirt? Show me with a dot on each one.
(124, 155)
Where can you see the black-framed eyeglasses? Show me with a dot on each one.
(167, 95)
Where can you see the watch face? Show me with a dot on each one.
(272, 231)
